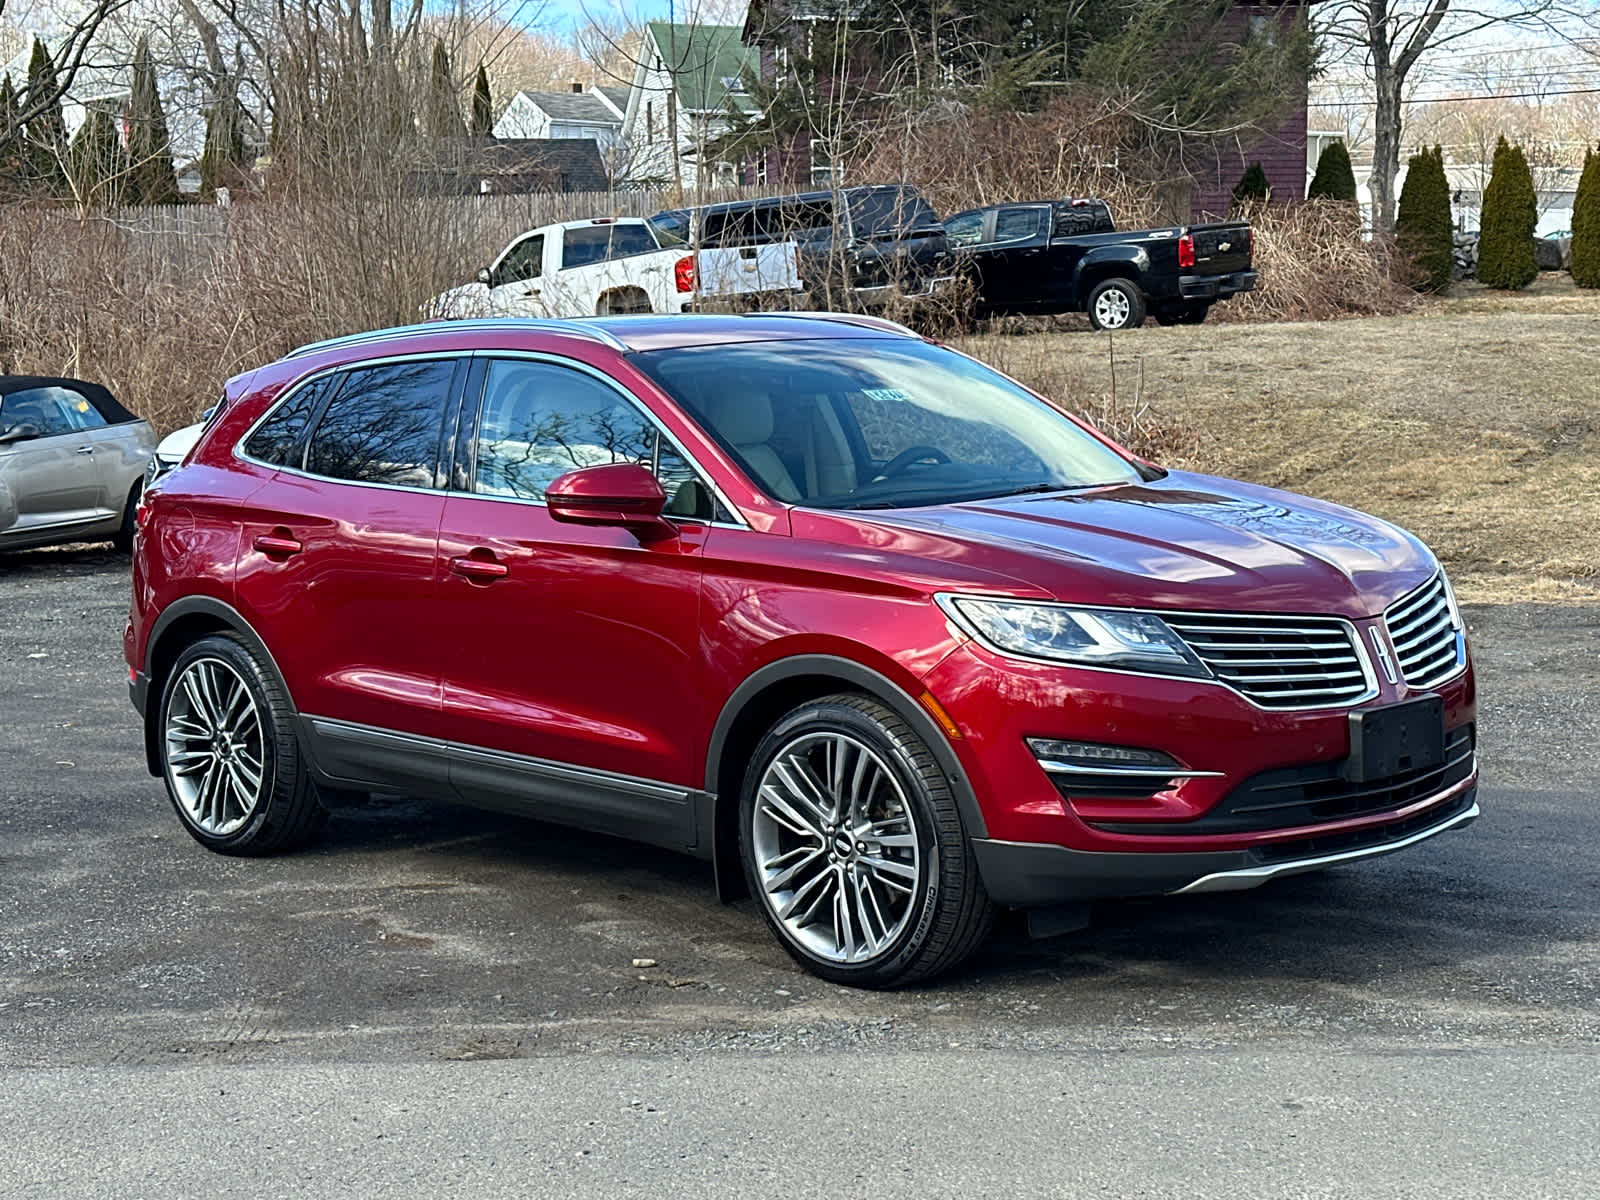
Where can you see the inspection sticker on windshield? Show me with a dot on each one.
(887, 395)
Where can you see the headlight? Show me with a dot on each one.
(1090, 637)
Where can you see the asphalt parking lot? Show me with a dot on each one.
(434, 997)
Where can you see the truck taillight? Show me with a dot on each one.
(1186, 250)
(683, 273)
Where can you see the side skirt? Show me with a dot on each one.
(344, 754)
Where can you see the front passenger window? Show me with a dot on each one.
(538, 421)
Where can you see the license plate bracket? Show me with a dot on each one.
(1396, 739)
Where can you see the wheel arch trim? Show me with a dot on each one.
(178, 610)
(850, 674)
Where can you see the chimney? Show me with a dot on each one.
(577, 87)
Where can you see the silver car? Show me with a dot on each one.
(72, 463)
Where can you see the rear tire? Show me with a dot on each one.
(1115, 305)
(229, 754)
(622, 302)
(122, 539)
(854, 848)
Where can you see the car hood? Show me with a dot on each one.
(458, 303)
(177, 444)
(1183, 542)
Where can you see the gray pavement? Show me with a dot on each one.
(460, 983)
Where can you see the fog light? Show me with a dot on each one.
(1092, 754)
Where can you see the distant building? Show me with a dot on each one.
(514, 166)
(688, 82)
(592, 113)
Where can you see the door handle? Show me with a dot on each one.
(277, 544)
(480, 570)
(533, 291)
(85, 449)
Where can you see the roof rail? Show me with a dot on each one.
(863, 320)
(575, 325)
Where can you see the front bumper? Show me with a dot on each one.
(1216, 287)
(1031, 875)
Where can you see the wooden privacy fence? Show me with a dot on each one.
(177, 242)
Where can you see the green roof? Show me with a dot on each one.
(707, 62)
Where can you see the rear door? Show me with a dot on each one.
(337, 564)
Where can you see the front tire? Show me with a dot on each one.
(229, 755)
(1116, 304)
(854, 848)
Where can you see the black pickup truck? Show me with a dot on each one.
(858, 247)
(1057, 256)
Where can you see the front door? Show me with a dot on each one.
(564, 643)
(51, 476)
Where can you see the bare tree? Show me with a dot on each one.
(69, 54)
(1388, 38)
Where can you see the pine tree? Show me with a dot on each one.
(1334, 179)
(149, 144)
(1586, 224)
(442, 116)
(1252, 187)
(11, 181)
(482, 106)
(1423, 226)
(97, 162)
(45, 137)
(222, 160)
(1505, 230)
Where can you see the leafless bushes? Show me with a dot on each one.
(962, 158)
(1315, 264)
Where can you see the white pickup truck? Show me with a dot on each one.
(616, 265)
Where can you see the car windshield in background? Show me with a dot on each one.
(670, 227)
(888, 212)
(880, 424)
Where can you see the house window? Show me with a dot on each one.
(1264, 26)
(650, 121)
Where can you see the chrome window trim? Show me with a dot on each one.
(705, 476)
(954, 615)
(305, 381)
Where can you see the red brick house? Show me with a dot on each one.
(774, 27)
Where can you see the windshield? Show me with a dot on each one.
(888, 212)
(867, 423)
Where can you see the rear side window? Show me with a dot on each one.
(1016, 224)
(384, 425)
(277, 440)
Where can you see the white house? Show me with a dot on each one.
(579, 113)
(1555, 189)
(688, 81)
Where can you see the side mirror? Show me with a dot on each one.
(624, 494)
(485, 277)
(25, 432)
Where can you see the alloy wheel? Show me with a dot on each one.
(215, 749)
(836, 847)
(1111, 308)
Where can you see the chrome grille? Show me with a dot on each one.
(1427, 645)
(1279, 662)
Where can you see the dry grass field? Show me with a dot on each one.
(1474, 420)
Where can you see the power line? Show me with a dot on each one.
(1464, 99)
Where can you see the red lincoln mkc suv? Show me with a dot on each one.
(880, 633)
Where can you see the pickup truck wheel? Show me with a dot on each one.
(623, 300)
(1116, 304)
